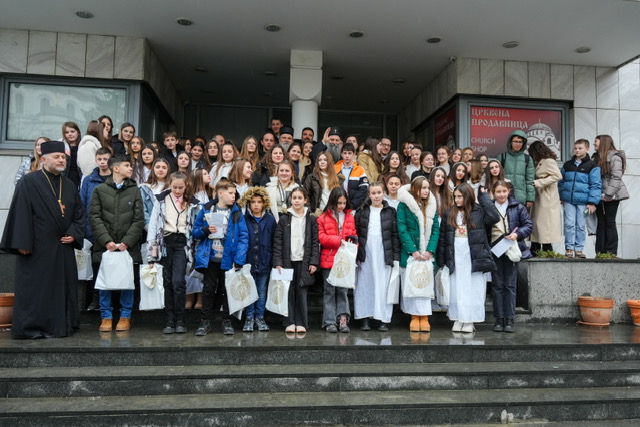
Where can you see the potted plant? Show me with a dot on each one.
(595, 311)
(634, 308)
(6, 309)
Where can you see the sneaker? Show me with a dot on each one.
(106, 325)
(124, 324)
(332, 328)
(262, 325)
(467, 327)
(227, 328)
(204, 328)
(499, 326)
(580, 254)
(344, 328)
(569, 253)
(248, 325)
(169, 328)
(457, 326)
(509, 326)
(384, 327)
(181, 327)
(364, 326)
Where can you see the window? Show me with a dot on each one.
(40, 109)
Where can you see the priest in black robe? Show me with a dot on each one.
(45, 224)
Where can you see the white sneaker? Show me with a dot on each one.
(467, 327)
(457, 326)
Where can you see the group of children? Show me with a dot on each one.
(159, 209)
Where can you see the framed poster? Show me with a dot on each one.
(445, 129)
(490, 127)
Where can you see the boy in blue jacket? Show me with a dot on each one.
(580, 189)
(214, 256)
(262, 226)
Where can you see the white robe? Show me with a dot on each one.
(373, 275)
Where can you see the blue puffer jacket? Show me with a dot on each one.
(582, 184)
(261, 234)
(86, 190)
(236, 240)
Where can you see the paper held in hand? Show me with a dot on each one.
(217, 219)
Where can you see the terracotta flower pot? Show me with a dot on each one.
(634, 307)
(6, 309)
(595, 311)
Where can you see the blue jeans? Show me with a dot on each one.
(256, 310)
(575, 227)
(126, 304)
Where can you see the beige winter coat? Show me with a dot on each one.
(547, 213)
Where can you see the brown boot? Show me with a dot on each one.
(414, 326)
(198, 305)
(189, 301)
(424, 324)
(124, 324)
(106, 325)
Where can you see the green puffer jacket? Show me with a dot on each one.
(519, 168)
(416, 232)
(117, 215)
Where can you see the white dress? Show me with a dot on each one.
(373, 275)
(468, 289)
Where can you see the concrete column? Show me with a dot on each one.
(305, 90)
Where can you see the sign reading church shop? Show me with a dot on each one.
(491, 126)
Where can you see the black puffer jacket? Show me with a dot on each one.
(390, 241)
(261, 176)
(483, 216)
(282, 246)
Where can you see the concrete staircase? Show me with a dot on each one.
(142, 378)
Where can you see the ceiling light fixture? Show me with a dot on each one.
(200, 69)
(185, 22)
(511, 45)
(84, 14)
(434, 40)
(399, 80)
(337, 77)
(356, 34)
(583, 49)
(274, 28)
(270, 73)
(383, 101)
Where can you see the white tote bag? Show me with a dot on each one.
(83, 261)
(278, 297)
(418, 279)
(343, 272)
(443, 286)
(241, 289)
(151, 287)
(393, 292)
(116, 272)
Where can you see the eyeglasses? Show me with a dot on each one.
(517, 141)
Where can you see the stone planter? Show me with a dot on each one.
(634, 309)
(6, 309)
(595, 311)
(554, 285)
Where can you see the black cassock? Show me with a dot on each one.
(46, 301)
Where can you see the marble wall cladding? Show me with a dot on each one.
(628, 210)
(431, 99)
(13, 50)
(629, 86)
(41, 58)
(491, 77)
(584, 120)
(468, 71)
(100, 56)
(561, 81)
(608, 123)
(71, 50)
(441, 89)
(539, 80)
(4, 213)
(516, 78)
(8, 168)
(452, 80)
(584, 87)
(629, 133)
(129, 58)
(629, 241)
(607, 88)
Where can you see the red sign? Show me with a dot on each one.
(491, 127)
(445, 129)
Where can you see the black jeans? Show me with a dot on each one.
(214, 293)
(174, 271)
(503, 287)
(607, 233)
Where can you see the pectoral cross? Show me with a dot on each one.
(61, 207)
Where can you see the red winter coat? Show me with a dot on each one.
(329, 237)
